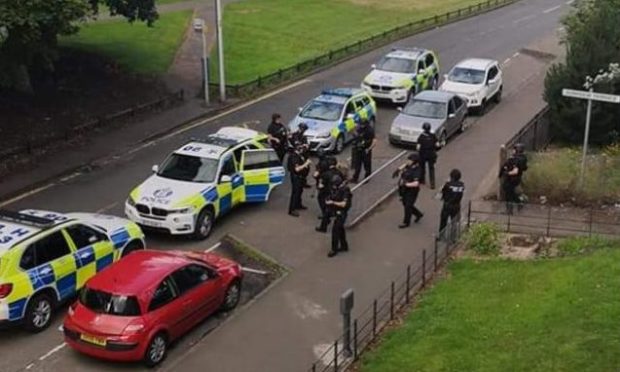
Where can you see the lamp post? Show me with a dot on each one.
(199, 27)
(220, 48)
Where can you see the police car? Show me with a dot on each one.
(402, 73)
(333, 116)
(203, 180)
(46, 257)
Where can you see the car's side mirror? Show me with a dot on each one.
(155, 168)
(373, 66)
(445, 76)
(400, 108)
(350, 116)
(299, 109)
(225, 178)
(451, 116)
(421, 71)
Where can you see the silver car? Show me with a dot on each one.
(444, 111)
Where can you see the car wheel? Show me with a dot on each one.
(39, 313)
(204, 224)
(132, 247)
(339, 146)
(435, 83)
(232, 296)
(443, 139)
(156, 351)
(373, 121)
(498, 95)
(483, 107)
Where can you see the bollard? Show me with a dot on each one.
(346, 305)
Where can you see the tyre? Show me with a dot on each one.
(232, 296)
(339, 146)
(435, 83)
(443, 139)
(39, 313)
(132, 247)
(373, 121)
(498, 95)
(204, 224)
(483, 107)
(156, 350)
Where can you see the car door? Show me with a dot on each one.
(422, 79)
(451, 118)
(49, 263)
(228, 171)
(349, 120)
(431, 69)
(164, 309)
(261, 171)
(93, 251)
(492, 82)
(460, 112)
(198, 293)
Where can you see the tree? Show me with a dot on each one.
(592, 43)
(29, 31)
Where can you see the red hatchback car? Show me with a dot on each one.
(132, 310)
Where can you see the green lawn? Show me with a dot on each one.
(135, 46)
(261, 36)
(545, 315)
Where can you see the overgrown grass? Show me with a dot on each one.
(555, 175)
(262, 36)
(580, 245)
(483, 239)
(136, 47)
(500, 315)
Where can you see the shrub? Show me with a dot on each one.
(483, 238)
(579, 245)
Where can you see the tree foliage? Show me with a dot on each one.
(29, 31)
(592, 43)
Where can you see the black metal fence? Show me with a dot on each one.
(361, 46)
(385, 308)
(30, 145)
(546, 220)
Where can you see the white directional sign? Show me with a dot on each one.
(584, 94)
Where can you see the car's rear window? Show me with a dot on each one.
(106, 303)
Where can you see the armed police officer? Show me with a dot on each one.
(361, 152)
(409, 188)
(278, 136)
(427, 148)
(339, 202)
(451, 194)
(325, 177)
(298, 139)
(510, 175)
(521, 160)
(297, 167)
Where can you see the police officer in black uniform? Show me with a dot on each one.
(324, 187)
(297, 166)
(278, 136)
(521, 160)
(298, 139)
(409, 187)
(427, 147)
(451, 194)
(339, 201)
(510, 176)
(361, 152)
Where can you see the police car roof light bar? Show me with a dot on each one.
(406, 49)
(342, 92)
(25, 219)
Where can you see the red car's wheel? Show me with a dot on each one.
(156, 351)
(232, 297)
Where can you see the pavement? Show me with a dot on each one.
(286, 328)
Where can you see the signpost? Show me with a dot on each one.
(589, 95)
(220, 48)
(200, 27)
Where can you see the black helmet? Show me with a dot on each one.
(426, 127)
(519, 148)
(455, 175)
(303, 126)
(336, 180)
(275, 116)
(332, 161)
(364, 122)
(414, 157)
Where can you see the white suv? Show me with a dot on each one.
(478, 81)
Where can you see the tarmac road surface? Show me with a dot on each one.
(499, 35)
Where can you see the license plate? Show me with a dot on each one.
(151, 223)
(93, 340)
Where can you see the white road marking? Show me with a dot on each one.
(254, 271)
(51, 352)
(27, 194)
(515, 55)
(552, 9)
(107, 207)
(569, 2)
(216, 246)
(506, 61)
(523, 19)
(29, 366)
(305, 308)
(61, 328)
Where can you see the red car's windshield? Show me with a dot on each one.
(106, 303)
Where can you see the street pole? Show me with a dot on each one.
(220, 48)
(585, 142)
(205, 68)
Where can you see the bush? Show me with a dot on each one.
(483, 238)
(579, 245)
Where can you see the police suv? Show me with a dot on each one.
(203, 180)
(403, 73)
(333, 116)
(46, 257)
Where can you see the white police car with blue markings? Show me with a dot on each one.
(46, 257)
(203, 180)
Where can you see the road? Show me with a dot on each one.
(498, 35)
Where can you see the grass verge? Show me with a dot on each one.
(136, 47)
(555, 175)
(495, 315)
(262, 36)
